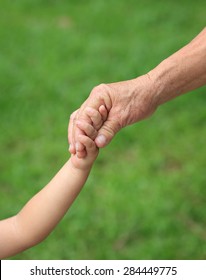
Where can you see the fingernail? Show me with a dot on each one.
(101, 140)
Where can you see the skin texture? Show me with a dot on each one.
(44, 211)
(131, 101)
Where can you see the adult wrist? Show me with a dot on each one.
(162, 82)
(146, 93)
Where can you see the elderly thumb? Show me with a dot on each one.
(106, 133)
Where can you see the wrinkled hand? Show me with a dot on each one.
(126, 102)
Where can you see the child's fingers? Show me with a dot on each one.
(103, 112)
(70, 133)
(95, 117)
(88, 129)
(81, 154)
(88, 143)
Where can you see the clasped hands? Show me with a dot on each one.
(120, 104)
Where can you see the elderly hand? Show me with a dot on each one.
(126, 102)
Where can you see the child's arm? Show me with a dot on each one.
(42, 213)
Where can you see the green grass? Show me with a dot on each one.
(146, 196)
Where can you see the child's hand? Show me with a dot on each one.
(90, 130)
(92, 152)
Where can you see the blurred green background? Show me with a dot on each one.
(146, 196)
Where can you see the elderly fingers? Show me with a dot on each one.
(88, 143)
(94, 116)
(87, 128)
(97, 116)
(97, 119)
(103, 112)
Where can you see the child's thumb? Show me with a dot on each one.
(106, 133)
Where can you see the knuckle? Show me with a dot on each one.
(74, 113)
(102, 94)
(73, 116)
(99, 89)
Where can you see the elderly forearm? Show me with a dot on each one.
(182, 72)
